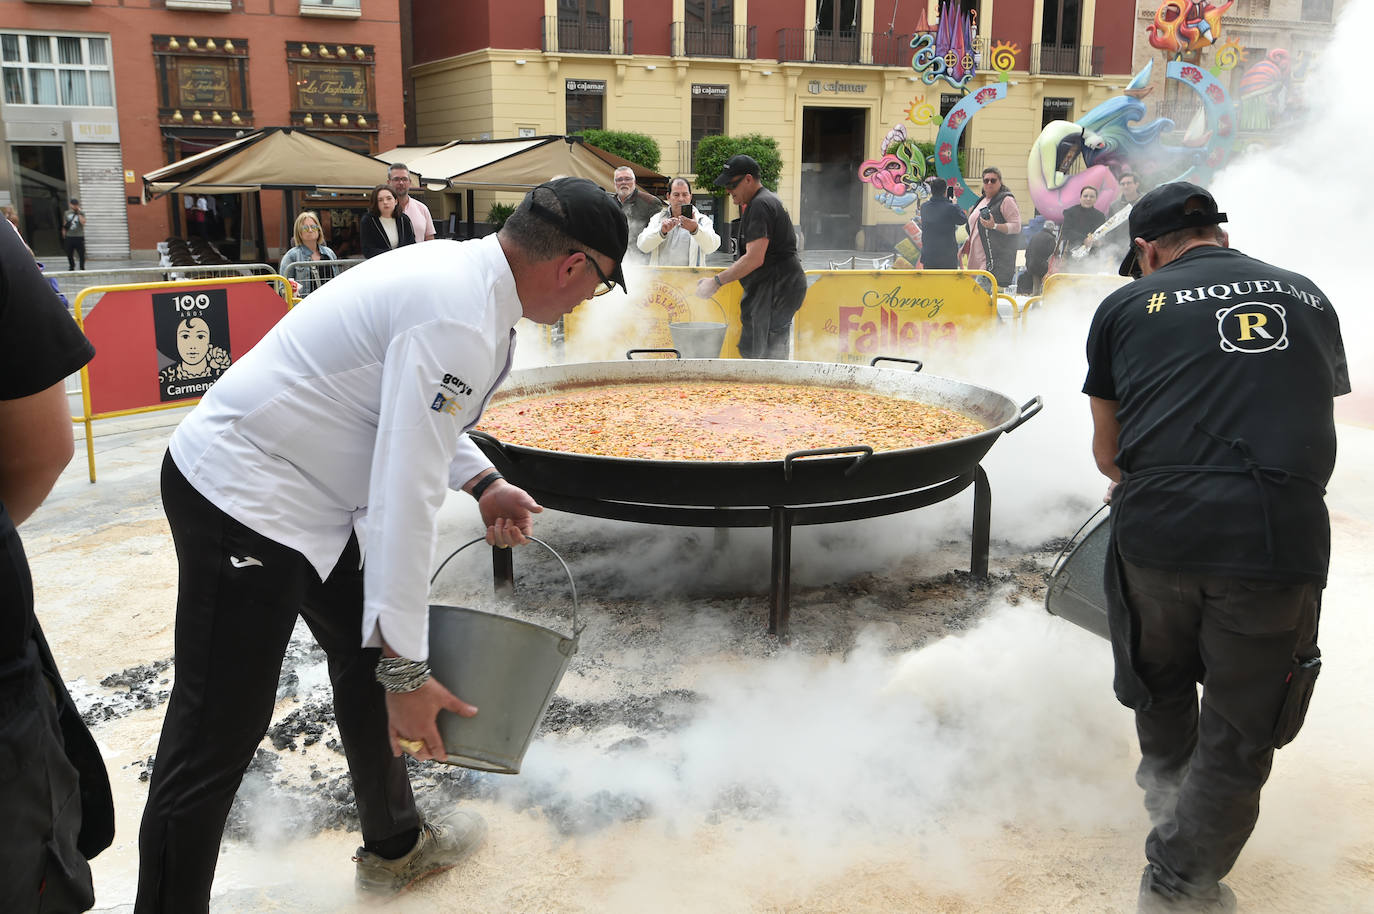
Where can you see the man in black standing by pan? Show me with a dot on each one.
(770, 271)
(1211, 380)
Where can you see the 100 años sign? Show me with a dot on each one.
(158, 344)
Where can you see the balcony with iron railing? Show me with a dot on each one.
(1066, 59)
(692, 39)
(878, 49)
(588, 36)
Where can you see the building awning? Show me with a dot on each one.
(274, 158)
(514, 164)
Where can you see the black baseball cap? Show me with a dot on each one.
(590, 215)
(736, 167)
(1161, 211)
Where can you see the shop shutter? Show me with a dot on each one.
(100, 175)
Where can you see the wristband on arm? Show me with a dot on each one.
(483, 484)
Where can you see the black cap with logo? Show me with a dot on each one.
(737, 167)
(1162, 211)
(590, 216)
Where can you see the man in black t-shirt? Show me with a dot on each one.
(772, 276)
(53, 787)
(1211, 380)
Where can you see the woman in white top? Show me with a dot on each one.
(383, 226)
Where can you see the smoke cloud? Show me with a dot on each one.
(987, 762)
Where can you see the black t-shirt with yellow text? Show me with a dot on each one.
(1224, 369)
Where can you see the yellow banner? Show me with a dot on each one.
(853, 315)
(606, 327)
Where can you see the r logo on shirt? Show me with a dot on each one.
(1252, 327)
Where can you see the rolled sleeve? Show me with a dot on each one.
(466, 463)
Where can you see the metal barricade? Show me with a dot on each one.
(72, 282)
(309, 275)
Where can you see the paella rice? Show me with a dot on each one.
(709, 421)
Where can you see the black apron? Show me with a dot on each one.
(1122, 621)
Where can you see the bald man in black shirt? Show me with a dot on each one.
(1211, 380)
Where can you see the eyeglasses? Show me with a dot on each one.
(607, 284)
(735, 183)
(990, 180)
(310, 228)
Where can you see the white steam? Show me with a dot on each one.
(989, 770)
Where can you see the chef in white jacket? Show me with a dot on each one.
(349, 417)
(679, 236)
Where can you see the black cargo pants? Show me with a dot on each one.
(1253, 646)
(766, 312)
(238, 596)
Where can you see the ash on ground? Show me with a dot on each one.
(298, 782)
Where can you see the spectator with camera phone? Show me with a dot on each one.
(678, 236)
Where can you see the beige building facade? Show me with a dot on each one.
(774, 68)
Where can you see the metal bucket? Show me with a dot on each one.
(508, 668)
(1076, 590)
(697, 339)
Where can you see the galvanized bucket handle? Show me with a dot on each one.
(1073, 541)
(572, 585)
(724, 318)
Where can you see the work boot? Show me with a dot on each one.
(438, 848)
(1221, 901)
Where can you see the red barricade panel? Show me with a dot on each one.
(156, 346)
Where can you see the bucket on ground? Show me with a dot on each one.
(1076, 591)
(507, 667)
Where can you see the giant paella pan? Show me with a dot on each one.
(846, 479)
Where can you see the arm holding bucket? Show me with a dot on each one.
(1106, 430)
(420, 422)
(507, 510)
(411, 716)
(751, 260)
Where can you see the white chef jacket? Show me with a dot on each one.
(357, 403)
